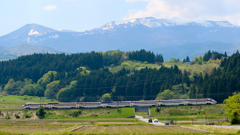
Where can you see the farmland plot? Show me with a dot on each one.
(136, 129)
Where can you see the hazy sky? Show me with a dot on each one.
(81, 15)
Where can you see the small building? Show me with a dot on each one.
(125, 57)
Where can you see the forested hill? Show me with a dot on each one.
(36, 65)
(87, 76)
(223, 81)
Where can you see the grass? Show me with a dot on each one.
(137, 65)
(128, 64)
(214, 129)
(96, 113)
(90, 113)
(205, 68)
(14, 102)
(189, 112)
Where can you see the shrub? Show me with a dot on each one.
(93, 115)
(17, 116)
(157, 109)
(7, 116)
(119, 110)
(28, 115)
(40, 112)
(76, 113)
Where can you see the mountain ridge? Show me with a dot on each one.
(142, 33)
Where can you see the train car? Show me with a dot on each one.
(115, 104)
(146, 103)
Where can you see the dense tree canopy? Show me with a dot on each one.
(86, 77)
(222, 82)
(143, 55)
(232, 108)
(36, 65)
(213, 55)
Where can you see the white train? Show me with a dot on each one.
(114, 104)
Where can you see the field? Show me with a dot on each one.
(136, 129)
(104, 120)
(214, 129)
(137, 65)
(107, 126)
(33, 128)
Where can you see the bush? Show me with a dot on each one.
(119, 110)
(41, 112)
(157, 109)
(7, 116)
(76, 113)
(17, 116)
(235, 121)
(28, 115)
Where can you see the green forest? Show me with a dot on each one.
(88, 76)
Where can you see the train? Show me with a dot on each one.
(115, 104)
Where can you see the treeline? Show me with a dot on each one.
(87, 85)
(144, 84)
(143, 55)
(221, 83)
(36, 65)
(111, 58)
(213, 55)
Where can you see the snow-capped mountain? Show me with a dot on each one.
(148, 33)
(151, 22)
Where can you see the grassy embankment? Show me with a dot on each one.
(12, 107)
(187, 112)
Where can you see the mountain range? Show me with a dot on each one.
(170, 38)
(7, 53)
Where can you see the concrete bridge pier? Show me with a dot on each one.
(143, 109)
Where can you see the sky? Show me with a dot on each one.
(79, 15)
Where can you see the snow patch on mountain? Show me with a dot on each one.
(217, 24)
(54, 36)
(32, 32)
(125, 22)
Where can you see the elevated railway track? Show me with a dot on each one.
(117, 104)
